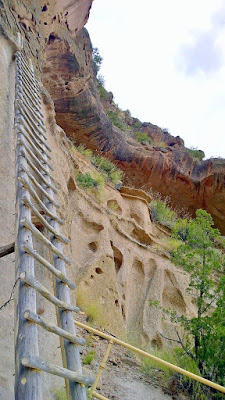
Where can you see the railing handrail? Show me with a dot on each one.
(152, 357)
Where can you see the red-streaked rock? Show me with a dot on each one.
(169, 170)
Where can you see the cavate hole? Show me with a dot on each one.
(156, 342)
(98, 270)
(117, 303)
(93, 246)
(71, 184)
(44, 8)
(114, 206)
(51, 38)
(45, 23)
(92, 276)
(118, 257)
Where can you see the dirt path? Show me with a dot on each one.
(127, 383)
(122, 378)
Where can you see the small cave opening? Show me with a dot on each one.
(117, 303)
(118, 257)
(156, 343)
(93, 246)
(114, 206)
(98, 271)
(51, 38)
(44, 8)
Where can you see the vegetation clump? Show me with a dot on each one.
(114, 118)
(143, 137)
(97, 59)
(109, 169)
(162, 213)
(85, 181)
(195, 153)
(89, 357)
(203, 335)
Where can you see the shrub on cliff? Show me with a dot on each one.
(143, 137)
(97, 59)
(114, 118)
(162, 213)
(195, 153)
(109, 169)
(204, 334)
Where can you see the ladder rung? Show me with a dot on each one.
(25, 82)
(39, 154)
(35, 182)
(28, 130)
(35, 196)
(37, 133)
(58, 236)
(30, 280)
(27, 88)
(27, 224)
(25, 92)
(32, 113)
(35, 129)
(50, 327)
(25, 100)
(24, 117)
(23, 60)
(30, 152)
(33, 104)
(22, 68)
(50, 185)
(28, 70)
(35, 362)
(49, 266)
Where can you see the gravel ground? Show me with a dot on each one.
(122, 378)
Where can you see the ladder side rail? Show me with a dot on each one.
(70, 352)
(27, 382)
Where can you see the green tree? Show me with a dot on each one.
(97, 59)
(202, 254)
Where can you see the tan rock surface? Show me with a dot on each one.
(118, 262)
(169, 168)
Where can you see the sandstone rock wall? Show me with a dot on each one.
(169, 169)
(118, 261)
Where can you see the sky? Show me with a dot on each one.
(165, 62)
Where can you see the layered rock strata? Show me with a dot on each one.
(168, 169)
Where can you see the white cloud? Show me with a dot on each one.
(149, 47)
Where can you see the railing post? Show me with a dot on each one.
(101, 368)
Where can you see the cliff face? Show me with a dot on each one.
(168, 169)
(118, 260)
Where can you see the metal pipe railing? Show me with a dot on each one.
(151, 357)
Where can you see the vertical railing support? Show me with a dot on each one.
(101, 368)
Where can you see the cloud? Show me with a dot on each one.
(204, 54)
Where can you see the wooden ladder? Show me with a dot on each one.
(35, 188)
